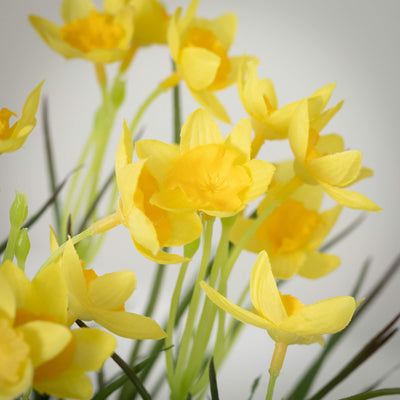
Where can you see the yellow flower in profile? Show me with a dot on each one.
(200, 48)
(151, 227)
(12, 138)
(207, 173)
(260, 101)
(284, 317)
(322, 159)
(293, 232)
(102, 299)
(59, 356)
(98, 36)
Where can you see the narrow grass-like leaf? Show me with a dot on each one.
(303, 387)
(370, 348)
(50, 162)
(371, 395)
(382, 378)
(213, 380)
(254, 387)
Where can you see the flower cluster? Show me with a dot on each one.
(171, 195)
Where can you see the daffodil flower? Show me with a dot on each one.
(102, 299)
(98, 36)
(42, 351)
(12, 138)
(322, 159)
(293, 232)
(206, 173)
(260, 102)
(151, 227)
(284, 317)
(200, 48)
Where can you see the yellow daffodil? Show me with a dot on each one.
(59, 357)
(200, 48)
(151, 227)
(207, 173)
(292, 233)
(285, 318)
(12, 138)
(102, 299)
(260, 101)
(322, 159)
(98, 36)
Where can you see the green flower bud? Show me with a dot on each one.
(19, 210)
(22, 247)
(118, 93)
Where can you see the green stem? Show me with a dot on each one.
(177, 114)
(276, 366)
(271, 386)
(12, 240)
(184, 347)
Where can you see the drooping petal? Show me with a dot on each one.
(46, 339)
(326, 316)
(128, 325)
(199, 67)
(317, 265)
(93, 347)
(298, 131)
(264, 292)
(339, 169)
(210, 102)
(199, 129)
(76, 9)
(350, 199)
(112, 290)
(161, 257)
(237, 312)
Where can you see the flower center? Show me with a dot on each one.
(200, 37)
(98, 31)
(146, 187)
(288, 228)
(13, 354)
(5, 115)
(208, 175)
(312, 152)
(292, 304)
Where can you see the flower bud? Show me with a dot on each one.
(22, 247)
(19, 210)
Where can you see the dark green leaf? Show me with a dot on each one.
(382, 378)
(371, 395)
(254, 387)
(213, 380)
(370, 348)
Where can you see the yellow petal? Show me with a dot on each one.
(268, 90)
(210, 103)
(298, 131)
(124, 149)
(93, 347)
(7, 300)
(128, 325)
(174, 200)
(264, 292)
(261, 173)
(329, 144)
(280, 119)
(159, 156)
(319, 123)
(317, 265)
(70, 384)
(242, 225)
(350, 199)
(76, 9)
(364, 173)
(54, 245)
(24, 383)
(187, 19)
(46, 340)
(286, 265)
(324, 94)
(199, 129)
(310, 195)
(113, 6)
(173, 36)
(50, 284)
(186, 227)
(199, 67)
(240, 140)
(161, 257)
(339, 169)
(112, 290)
(327, 316)
(237, 312)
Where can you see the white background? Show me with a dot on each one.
(302, 46)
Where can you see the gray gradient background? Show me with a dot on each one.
(302, 46)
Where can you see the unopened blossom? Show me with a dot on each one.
(207, 173)
(102, 299)
(322, 159)
(293, 232)
(98, 36)
(14, 136)
(200, 48)
(54, 358)
(151, 227)
(284, 317)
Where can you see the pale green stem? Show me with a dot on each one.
(12, 240)
(271, 386)
(184, 347)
